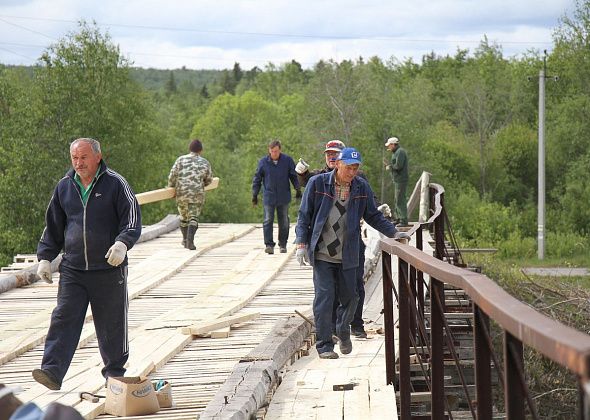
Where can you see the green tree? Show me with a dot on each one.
(81, 88)
(575, 213)
(333, 97)
(568, 100)
(514, 165)
(444, 156)
(85, 90)
(227, 82)
(20, 211)
(482, 95)
(275, 82)
(237, 73)
(204, 92)
(170, 86)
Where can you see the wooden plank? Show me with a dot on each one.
(207, 327)
(221, 333)
(356, 401)
(167, 193)
(382, 400)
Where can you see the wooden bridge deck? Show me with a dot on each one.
(170, 287)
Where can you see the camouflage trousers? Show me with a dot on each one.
(190, 211)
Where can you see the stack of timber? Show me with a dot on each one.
(20, 262)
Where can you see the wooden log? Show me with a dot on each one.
(244, 391)
(167, 193)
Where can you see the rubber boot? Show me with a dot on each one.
(184, 229)
(190, 237)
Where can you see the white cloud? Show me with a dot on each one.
(215, 34)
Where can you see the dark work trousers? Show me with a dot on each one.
(357, 320)
(106, 292)
(283, 221)
(331, 283)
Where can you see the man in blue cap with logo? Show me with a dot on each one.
(328, 228)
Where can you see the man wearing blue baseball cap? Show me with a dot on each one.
(328, 229)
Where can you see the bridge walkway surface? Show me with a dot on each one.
(193, 317)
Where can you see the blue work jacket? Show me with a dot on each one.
(86, 231)
(275, 179)
(317, 202)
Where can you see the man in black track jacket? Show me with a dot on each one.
(94, 217)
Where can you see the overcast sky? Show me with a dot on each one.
(206, 34)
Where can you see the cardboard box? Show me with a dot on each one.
(130, 396)
(163, 393)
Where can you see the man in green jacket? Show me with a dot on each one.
(399, 175)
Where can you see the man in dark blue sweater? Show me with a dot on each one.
(274, 172)
(94, 217)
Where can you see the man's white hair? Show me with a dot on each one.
(95, 144)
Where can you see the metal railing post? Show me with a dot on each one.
(514, 394)
(439, 234)
(483, 370)
(404, 341)
(412, 301)
(420, 277)
(436, 349)
(388, 318)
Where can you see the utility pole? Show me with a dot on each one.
(541, 157)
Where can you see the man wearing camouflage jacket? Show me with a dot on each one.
(189, 175)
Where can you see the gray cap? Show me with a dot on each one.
(391, 140)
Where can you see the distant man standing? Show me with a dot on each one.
(399, 174)
(189, 175)
(274, 172)
(94, 217)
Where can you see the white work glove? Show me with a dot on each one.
(384, 208)
(401, 235)
(302, 256)
(301, 167)
(44, 271)
(116, 253)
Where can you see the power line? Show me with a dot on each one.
(27, 29)
(15, 53)
(269, 34)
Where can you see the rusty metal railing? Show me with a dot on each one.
(521, 325)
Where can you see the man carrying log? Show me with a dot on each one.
(189, 176)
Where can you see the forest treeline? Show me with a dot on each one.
(470, 119)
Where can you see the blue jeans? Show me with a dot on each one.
(357, 320)
(331, 283)
(283, 220)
